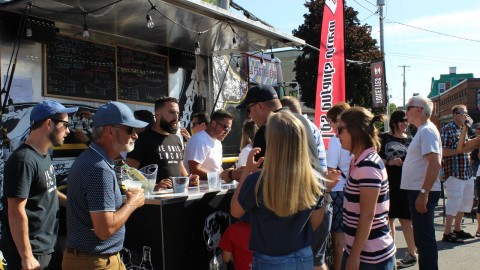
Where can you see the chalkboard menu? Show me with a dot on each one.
(142, 76)
(80, 69)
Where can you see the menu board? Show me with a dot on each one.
(79, 69)
(142, 76)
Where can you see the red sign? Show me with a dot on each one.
(331, 67)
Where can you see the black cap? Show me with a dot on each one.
(258, 93)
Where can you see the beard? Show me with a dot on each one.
(170, 127)
(54, 139)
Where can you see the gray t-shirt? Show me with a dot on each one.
(92, 187)
(30, 175)
(426, 141)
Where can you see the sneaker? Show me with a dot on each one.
(407, 261)
(463, 235)
(452, 238)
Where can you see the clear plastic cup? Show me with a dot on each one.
(213, 181)
(150, 173)
(180, 184)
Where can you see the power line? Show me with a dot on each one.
(370, 3)
(431, 31)
(364, 6)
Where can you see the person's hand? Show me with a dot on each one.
(253, 165)
(164, 184)
(185, 133)
(194, 180)
(395, 162)
(30, 263)
(136, 198)
(421, 203)
(85, 114)
(224, 175)
(353, 263)
(80, 136)
(333, 178)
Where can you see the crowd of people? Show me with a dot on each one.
(292, 193)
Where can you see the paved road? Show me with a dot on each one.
(450, 256)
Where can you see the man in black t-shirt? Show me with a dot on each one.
(160, 145)
(30, 217)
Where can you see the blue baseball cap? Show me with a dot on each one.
(116, 113)
(258, 93)
(47, 108)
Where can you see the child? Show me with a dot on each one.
(234, 243)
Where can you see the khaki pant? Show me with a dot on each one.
(79, 260)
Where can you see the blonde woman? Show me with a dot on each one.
(248, 134)
(281, 198)
(368, 242)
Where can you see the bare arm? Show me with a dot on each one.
(196, 168)
(133, 163)
(62, 198)
(434, 165)
(469, 146)
(18, 221)
(227, 256)
(105, 224)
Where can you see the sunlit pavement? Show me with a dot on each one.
(450, 255)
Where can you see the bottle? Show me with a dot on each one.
(146, 263)
(118, 171)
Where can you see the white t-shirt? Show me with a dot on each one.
(426, 141)
(337, 157)
(242, 158)
(205, 150)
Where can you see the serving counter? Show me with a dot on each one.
(178, 231)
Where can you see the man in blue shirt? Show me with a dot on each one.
(95, 215)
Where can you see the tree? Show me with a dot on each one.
(359, 46)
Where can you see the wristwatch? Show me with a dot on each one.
(423, 191)
(230, 177)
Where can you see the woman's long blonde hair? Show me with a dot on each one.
(287, 178)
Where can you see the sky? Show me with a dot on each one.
(428, 54)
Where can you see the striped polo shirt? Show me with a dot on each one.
(368, 171)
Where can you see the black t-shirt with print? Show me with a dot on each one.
(164, 150)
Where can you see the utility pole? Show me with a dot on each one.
(380, 4)
(404, 84)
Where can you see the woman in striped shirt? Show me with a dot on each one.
(368, 242)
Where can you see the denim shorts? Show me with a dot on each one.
(301, 259)
(388, 264)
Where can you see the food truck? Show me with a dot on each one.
(85, 53)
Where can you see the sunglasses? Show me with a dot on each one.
(250, 106)
(461, 113)
(404, 120)
(340, 129)
(194, 124)
(411, 107)
(56, 121)
(225, 127)
(127, 129)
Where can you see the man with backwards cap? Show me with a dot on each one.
(30, 193)
(95, 215)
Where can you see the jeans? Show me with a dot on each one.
(301, 259)
(424, 230)
(388, 264)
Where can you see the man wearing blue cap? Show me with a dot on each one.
(31, 198)
(95, 215)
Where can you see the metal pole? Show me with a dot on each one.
(404, 84)
(380, 4)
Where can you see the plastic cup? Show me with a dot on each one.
(150, 172)
(132, 185)
(213, 181)
(180, 184)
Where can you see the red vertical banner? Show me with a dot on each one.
(331, 65)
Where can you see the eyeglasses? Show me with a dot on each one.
(461, 113)
(225, 127)
(340, 129)
(250, 106)
(411, 107)
(403, 120)
(127, 129)
(64, 123)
